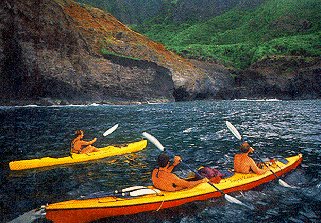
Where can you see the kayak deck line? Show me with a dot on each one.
(98, 208)
(267, 177)
(227, 181)
(112, 150)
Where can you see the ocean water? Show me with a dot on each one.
(194, 130)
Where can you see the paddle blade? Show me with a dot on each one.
(133, 188)
(236, 201)
(232, 199)
(233, 130)
(30, 216)
(144, 191)
(285, 184)
(153, 140)
(111, 130)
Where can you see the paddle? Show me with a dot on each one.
(111, 130)
(162, 148)
(236, 133)
(106, 133)
(133, 191)
(30, 216)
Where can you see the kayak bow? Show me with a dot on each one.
(97, 208)
(108, 151)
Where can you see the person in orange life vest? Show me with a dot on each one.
(245, 164)
(164, 179)
(80, 146)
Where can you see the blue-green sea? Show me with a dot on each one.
(194, 130)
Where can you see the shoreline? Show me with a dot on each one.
(71, 102)
(81, 103)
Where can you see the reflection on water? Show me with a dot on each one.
(194, 130)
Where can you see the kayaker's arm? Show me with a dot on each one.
(255, 168)
(183, 184)
(85, 143)
(177, 160)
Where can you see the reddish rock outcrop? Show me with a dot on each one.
(62, 51)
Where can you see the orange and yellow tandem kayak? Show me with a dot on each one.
(87, 210)
(112, 150)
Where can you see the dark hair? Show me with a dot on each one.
(245, 147)
(162, 160)
(79, 132)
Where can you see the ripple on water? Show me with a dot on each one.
(307, 212)
(194, 130)
(273, 212)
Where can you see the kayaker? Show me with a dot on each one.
(243, 163)
(165, 180)
(80, 146)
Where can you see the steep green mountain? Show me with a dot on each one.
(138, 11)
(61, 52)
(244, 35)
(128, 11)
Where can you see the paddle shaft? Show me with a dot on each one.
(237, 134)
(209, 182)
(267, 166)
(126, 192)
(281, 182)
(162, 148)
(188, 167)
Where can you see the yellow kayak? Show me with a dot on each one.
(91, 209)
(113, 150)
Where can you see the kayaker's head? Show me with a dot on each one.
(79, 133)
(163, 160)
(246, 148)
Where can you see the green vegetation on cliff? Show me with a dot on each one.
(241, 36)
(236, 33)
(127, 11)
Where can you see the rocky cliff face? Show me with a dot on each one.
(59, 51)
(282, 78)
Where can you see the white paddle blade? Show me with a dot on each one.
(236, 201)
(285, 184)
(142, 192)
(233, 130)
(29, 216)
(232, 199)
(111, 130)
(133, 188)
(154, 141)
